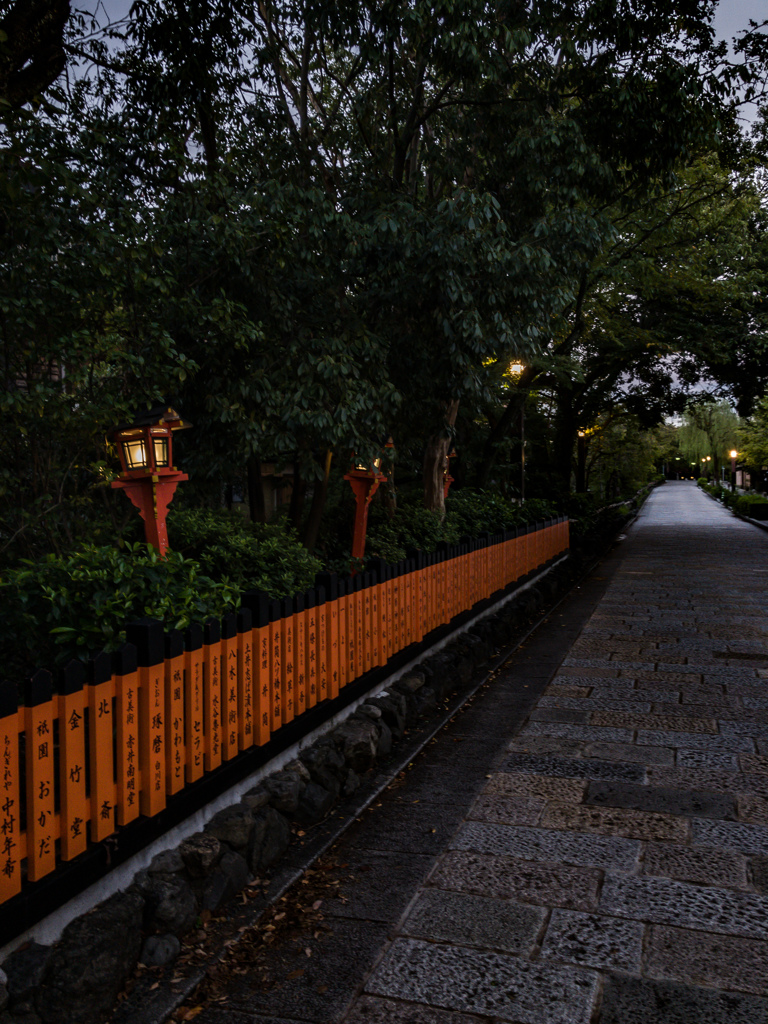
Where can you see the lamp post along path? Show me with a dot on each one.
(149, 477)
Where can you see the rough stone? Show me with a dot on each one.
(752, 808)
(730, 835)
(615, 821)
(564, 768)
(370, 711)
(560, 715)
(326, 766)
(357, 739)
(229, 877)
(637, 1001)
(694, 741)
(657, 722)
(549, 845)
(714, 961)
(704, 908)
(426, 701)
(384, 742)
(92, 961)
(507, 878)
(316, 802)
(520, 810)
(4, 997)
(25, 970)
(166, 863)
(477, 981)
(540, 787)
(369, 1010)
(411, 683)
(285, 789)
(758, 874)
(269, 839)
(589, 704)
(587, 733)
(169, 903)
(628, 752)
(593, 941)
(707, 759)
(232, 826)
(475, 921)
(160, 950)
(257, 797)
(21, 1015)
(351, 785)
(661, 800)
(695, 864)
(393, 711)
(200, 853)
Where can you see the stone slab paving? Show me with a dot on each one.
(607, 863)
(651, 867)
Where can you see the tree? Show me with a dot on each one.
(708, 432)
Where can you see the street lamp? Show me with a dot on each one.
(364, 481)
(516, 370)
(149, 478)
(734, 455)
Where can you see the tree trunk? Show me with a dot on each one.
(436, 459)
(565, 433)
(256, 506)
(319, 496)
(298, 493)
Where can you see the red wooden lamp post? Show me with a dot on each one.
(365, 481)
(447, 478)
(149, 477)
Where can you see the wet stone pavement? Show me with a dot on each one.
(587, 843)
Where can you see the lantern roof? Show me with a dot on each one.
(158, 416)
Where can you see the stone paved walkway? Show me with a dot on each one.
(610, 864)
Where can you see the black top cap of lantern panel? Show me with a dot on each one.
(320, 597)
(244, 620)
(72, 676)
(257, 602)
(211, 631)
(275, 611)
(310, 598)
(124, 660)
(193, 637)
(38, 689)
(286, 607)
(298, 603)
(9, 699)
(329, 582)
(99, 670)
(148, 636)
(228, 626)
(174, 643)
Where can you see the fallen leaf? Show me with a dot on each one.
(295, 974)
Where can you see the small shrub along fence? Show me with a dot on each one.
(124, 733)
(751, 506)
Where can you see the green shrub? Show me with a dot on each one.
(267, 557)
(702, 481)
(745, 503)
(413, 526)
(79, 604)
(474, 511)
